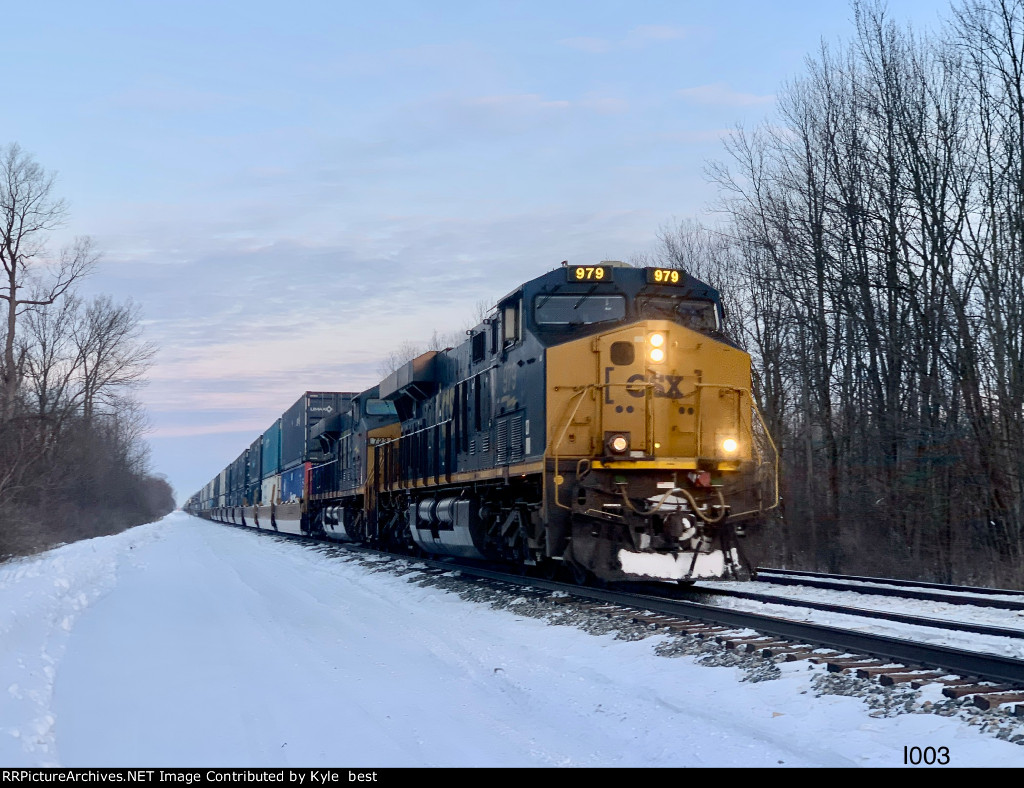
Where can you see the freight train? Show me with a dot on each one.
(597, 423)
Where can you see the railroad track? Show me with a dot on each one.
(886, 615)
(907, 589)
(991, 680)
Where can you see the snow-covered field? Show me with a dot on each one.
(184, 643)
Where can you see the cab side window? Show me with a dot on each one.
(479, 346)
(511, 321)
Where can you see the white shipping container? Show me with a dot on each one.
(271, 490)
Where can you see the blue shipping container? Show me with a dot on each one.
(271, 460)
(291, 483)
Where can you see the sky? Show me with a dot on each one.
(291, 193)
(184, 643)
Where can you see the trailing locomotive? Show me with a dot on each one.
(597, 421)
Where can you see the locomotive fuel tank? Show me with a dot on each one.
(448, 526)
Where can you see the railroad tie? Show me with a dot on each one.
(794, 655)
(684, 627)
(987, 701)
(975, 688)
(948, 682)
(840, 665)
(878, 670)
(831, 655)
(765, 646)
(735, 642)
(649, 618)
(891, 679)
(782, 649)
(709, 631)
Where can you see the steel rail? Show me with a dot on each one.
(907, 593)
(983, 590)
(987, 667)
(888, 615)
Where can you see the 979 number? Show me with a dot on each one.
(589, 272)
(929, 756)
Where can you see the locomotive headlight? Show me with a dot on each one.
(656, 353)
(729, 445)
(617, 442)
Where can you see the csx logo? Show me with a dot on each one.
(661, 385)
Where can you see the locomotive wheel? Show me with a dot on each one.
(521, 553)
(579, 575)
(547, 569)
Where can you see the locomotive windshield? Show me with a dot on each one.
(380, 407)
(578, 310)
(698, 315)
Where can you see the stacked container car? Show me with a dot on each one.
(298, 454)
(267, 485)
(270, 474)
(253, 459)
(236, 490)
(343, 484)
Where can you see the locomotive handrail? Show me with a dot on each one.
(579, 392)
(753, 443)
(775, 450)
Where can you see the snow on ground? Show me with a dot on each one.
(185, 643)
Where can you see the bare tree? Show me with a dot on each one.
(881, 223)
(111, 354)
(29, 212)
(407, 351)
(51, 366)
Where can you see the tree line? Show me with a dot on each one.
(72, 460)
(872, 249)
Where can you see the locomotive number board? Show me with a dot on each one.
(589, 273)
(664, 276)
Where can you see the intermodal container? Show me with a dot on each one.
(253, 472)
(299, 420)
(293, 483)
(270, 490)
(236, 478)
(270, 462)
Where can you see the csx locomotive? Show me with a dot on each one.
(598, 422)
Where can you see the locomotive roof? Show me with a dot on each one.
(625, 279)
